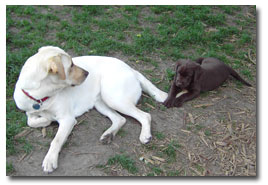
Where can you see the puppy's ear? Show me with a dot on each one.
(178, 64)
(197, 71)
(195, 67)
(56, 67)
(199, 60)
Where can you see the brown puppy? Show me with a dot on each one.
(204, 74)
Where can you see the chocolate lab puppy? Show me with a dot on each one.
(204, 74)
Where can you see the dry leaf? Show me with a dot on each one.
(191, 117)
(221, 143)
(44, 132)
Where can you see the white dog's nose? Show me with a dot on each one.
(86, 74)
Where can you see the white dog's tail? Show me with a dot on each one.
(149, 88)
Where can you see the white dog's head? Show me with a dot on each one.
(49, 70)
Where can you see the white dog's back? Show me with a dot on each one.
(111, 72)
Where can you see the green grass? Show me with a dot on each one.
(146, 34)
(147, 104)
(170, 150)
(199, 168)
(156, 170)
(170, 74)
(16, 120)
(125, 161)
(173, 173)
(207, 132)
(9, 168)
(121, 133)
(112, 29)
(159, 135)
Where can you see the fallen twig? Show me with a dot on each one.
(22, 157)
(25, 132)
(249, 57)
(149, 105)
(203, 105)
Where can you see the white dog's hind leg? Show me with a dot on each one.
(51, 160)
(117, 121)
(143, 117)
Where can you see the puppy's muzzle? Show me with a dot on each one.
(178, 84)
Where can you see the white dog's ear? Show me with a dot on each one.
(56, 67)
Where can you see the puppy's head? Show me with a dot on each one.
(51, 68)
(186, 72)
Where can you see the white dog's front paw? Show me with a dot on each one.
(50, 163)
(161, 96)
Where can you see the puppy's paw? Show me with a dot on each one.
(177, 104)
(107, 138)
(50, 163)
(168, 103)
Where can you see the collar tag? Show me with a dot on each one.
(36, 106)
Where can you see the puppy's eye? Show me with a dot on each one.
(72, 64)
(183, 75)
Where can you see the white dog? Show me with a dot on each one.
(52, 86)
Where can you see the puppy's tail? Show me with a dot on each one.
(150, 88)
(236, 76)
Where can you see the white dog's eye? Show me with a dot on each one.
(72, 64)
